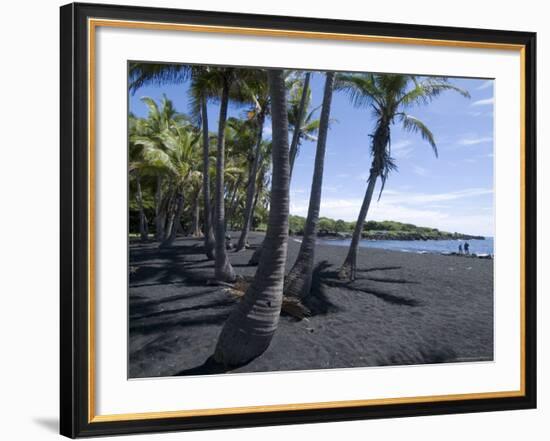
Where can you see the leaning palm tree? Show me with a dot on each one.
(250, 327)
(298, 281)
(389, 96)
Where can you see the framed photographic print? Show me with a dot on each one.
(272, 220)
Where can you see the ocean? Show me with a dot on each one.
(418, 246)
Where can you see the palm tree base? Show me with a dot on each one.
(225, 274)
(348, 271)
(255, 259)
(298, 282)
(235, 351)
(238, 343)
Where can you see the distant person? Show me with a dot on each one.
(466, 248)
(459, 248)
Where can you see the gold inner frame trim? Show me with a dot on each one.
(92, 24)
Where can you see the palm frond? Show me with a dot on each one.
(414, 125)
(141, 74)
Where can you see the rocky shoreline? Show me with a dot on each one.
(400, 235)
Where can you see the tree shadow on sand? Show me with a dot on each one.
(209, 367)
(318, 302)
(330, 278)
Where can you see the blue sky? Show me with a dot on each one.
(453, 192)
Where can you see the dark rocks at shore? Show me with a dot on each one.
(399, 235)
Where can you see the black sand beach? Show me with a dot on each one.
(404, 309)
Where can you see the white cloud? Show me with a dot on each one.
(424, 209)
(331, 188)
(402, 149)
(475, 140)
(485, 102)
(420, 171)
(485, 85)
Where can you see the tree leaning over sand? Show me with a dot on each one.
(389, 96)
(298, 281)
(250, 327)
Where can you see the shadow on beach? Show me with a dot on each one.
(402, 309)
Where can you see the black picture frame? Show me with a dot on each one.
(74, 325)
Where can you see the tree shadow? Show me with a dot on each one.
(211, 305)
(383, 280)
(378, 268)
(318, 302)
(209, 367)
(166, 325)
(330, 278)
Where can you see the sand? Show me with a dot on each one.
(404, 309)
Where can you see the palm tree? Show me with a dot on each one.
(178, 158)
(146, 133)
(136, 127)
(260, 95)
(298, 281)
(297, 118)
(209, 241)
(304, 127)
(389, 96)
(223, 270)
(250, 327)
(203, 87)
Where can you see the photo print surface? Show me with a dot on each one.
(286, 220)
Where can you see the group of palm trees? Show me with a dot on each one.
(175, 152)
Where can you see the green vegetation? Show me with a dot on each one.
(375, 230)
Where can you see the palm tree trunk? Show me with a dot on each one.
(298, 281)
(250, 327)
(142, 219)
(209, 242)
(297, 129)
(223, 270)
(196, 230)
(159, 222)
(349, 268)
(233, 202)
(251, 188)
(174, 221)
(255, 259)
(169, 216)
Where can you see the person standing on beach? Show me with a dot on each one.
(459, 248)
(466, 248)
